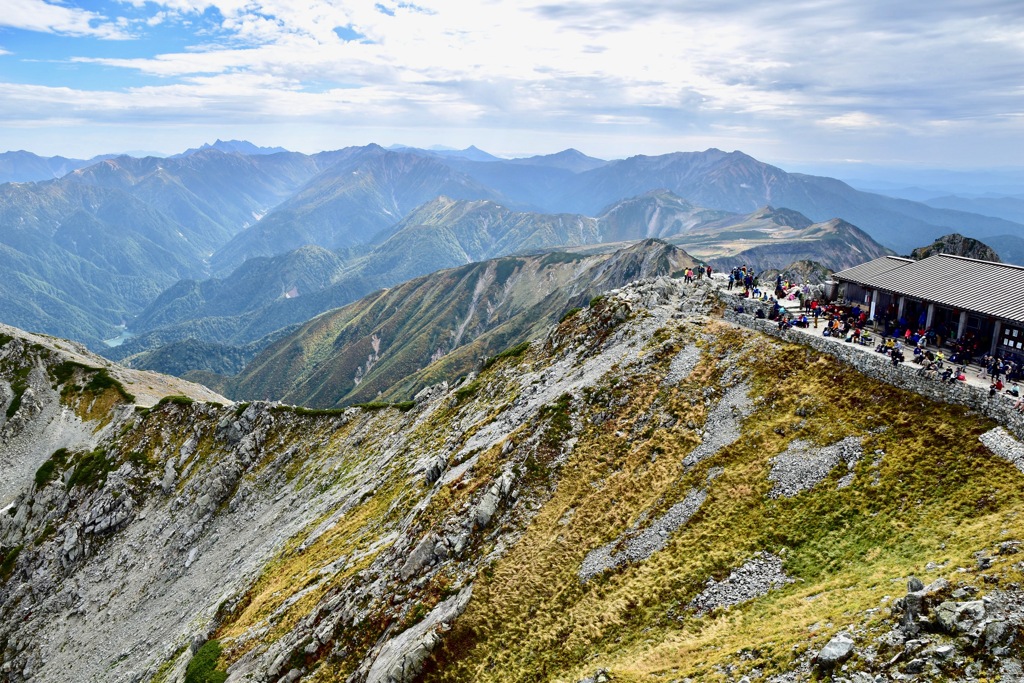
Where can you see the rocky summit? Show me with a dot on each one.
(650, 491)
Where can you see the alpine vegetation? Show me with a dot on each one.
(646, 492)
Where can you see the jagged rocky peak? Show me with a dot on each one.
(625, 498)
(811, 272)
(956, 244)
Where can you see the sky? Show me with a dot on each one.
(936, 83)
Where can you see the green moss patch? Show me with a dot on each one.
(511, 352)
(8, 558)
(99, 379)
(19, 384)
(91, 470)
(53, 465)
(202, 668)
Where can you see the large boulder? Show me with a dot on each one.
(835, 652)
(960, 617)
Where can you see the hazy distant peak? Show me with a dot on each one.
(471, 153)
(235, 147)
(23, 166)
(568, 159)
(657, 197)
(787, 217)
(838, 224)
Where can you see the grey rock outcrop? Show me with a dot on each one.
(917, 604)
(422, 556)
(723, 423)
(401, 659)
(961, 617)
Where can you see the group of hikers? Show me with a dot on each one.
(898, 338)
(698, 273)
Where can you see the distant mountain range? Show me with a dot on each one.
(26, 167)
(88, 251)
(381, 346)
(233, 147)
(97, 246)
(733, 182)
(267, 294)
(349, 203)
(1009, 208)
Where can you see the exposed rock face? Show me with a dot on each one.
(957, 245)
(960, 617)
(811, 272)
(723, 424)
(219, 492)
(835, 652)
(35, 421)
(401, 659)
(445, 539)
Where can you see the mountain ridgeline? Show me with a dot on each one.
(84, 253)
(647, 492)
(957, 245)
(392, 344)
(89, 251)
(265, 295)
(774, 238)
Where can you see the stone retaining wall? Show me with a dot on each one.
(878, 366)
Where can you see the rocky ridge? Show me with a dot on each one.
(444, 539)
(957, 245)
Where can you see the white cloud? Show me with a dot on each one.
(678, 69)
(44, 17)
(856, 121)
